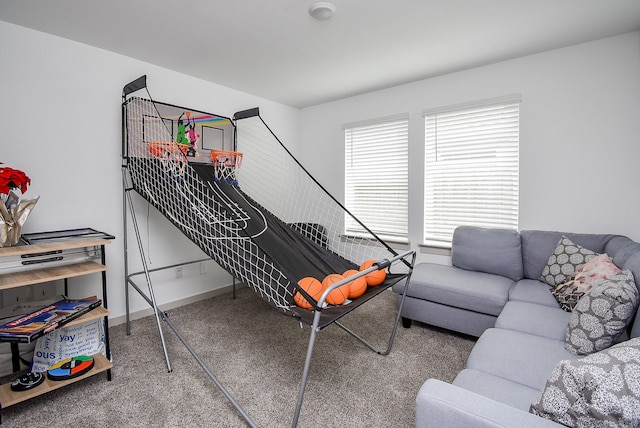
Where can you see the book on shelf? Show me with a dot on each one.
(33, 325)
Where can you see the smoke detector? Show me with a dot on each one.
(322, 10)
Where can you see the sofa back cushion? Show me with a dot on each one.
(622, 254)
(632, 263)
(496, 251)
(537, 246)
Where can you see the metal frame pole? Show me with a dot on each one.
(126, 250)
(307, 364)
(315, 329)
(395, 324)
(148, 278)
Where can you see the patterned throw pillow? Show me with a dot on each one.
(602, 389)
(591, 273)
(602, 314)
(565, 260)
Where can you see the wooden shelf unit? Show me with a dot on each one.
(34, 274)
(8, 397)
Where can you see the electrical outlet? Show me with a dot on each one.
(13, 296)
(179, 272)
(203, 268)
(43, 291)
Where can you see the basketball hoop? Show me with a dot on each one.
(172, 156)
(226, 164)
(160, 149)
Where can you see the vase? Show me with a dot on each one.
(13, 218)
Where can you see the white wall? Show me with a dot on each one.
(61, 121)
(579, 133)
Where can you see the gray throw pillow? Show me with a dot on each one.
(602, 314)
(567, 258)
(602, 389)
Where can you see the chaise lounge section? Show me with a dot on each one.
(499, 288)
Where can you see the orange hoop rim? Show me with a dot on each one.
(226, 156)
(225, 153)
(162, 145)
(156, 147)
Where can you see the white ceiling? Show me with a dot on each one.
(275, 50)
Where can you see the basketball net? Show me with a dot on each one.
(226, 164)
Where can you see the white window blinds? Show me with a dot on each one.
(376, 178)
(471, 169)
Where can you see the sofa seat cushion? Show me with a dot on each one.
(440, 404)
(475, 291)
(497, 388)
(533, 291)
(445, 316)
(532, 318)
(519, 357)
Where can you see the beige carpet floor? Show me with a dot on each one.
(258, 354)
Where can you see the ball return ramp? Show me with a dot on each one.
(234, 189)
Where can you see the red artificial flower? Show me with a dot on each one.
(13, 179)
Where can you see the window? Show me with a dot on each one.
(471, 168)
(376, 177)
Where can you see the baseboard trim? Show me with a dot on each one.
(172, 305)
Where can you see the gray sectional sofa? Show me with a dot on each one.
(493, 290)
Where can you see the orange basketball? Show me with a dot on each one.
(311, 286)
(358, 286)
(337, 295)
(376, 277)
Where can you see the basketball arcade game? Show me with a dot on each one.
(238, 193)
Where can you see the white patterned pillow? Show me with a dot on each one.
(601, 389)
(564, 261)
(584, 279)
(602, 314)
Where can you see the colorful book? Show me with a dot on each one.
(33, 325)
